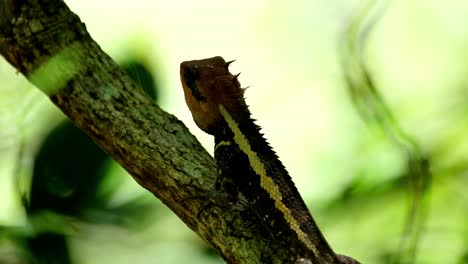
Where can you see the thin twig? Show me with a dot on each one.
(373, 109)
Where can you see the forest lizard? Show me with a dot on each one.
(243, 157)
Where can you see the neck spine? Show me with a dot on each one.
(240, 128)
(246, 125)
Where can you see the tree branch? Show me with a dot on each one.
(49, 45)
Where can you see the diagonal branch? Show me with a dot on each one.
(49, 45)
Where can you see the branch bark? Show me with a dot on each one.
(49, 45)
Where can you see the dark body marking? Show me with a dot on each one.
(246, 160)
(235, 166)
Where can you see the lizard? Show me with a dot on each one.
(243, 156)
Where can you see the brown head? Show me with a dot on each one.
(207, 84)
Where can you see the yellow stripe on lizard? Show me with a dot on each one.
(222, 143)
(266, 181)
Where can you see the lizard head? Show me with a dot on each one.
(207, 84)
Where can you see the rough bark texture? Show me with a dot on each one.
(49, 45)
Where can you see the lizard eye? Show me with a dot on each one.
(191, 75)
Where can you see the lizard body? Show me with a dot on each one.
(244, 157)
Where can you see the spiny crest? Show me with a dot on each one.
(229, 63)
(230, 93)
(207, 84)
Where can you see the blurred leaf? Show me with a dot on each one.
(142, 76)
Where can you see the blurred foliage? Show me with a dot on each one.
(141, 75)
(374, 110)
(403, 70)
(69, 184)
